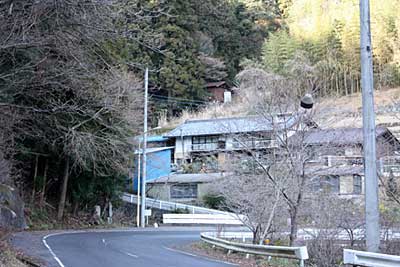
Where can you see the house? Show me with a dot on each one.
(207, 144)
(336, 162)
(219, 91)
(185, 188)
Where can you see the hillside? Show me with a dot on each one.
(343, 111)
(346, 111)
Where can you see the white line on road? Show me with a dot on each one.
(197, 256)
(131, 255)
(51, 251)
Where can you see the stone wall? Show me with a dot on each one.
(11, 208)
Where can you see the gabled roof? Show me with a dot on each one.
(339, 136)
(189, 178)
(336, 170)
(215, 84)
(229, 125)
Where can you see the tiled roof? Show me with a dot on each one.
(215, 84)
(228, 125)
(338, 136)
(336, 170)
(189, 178)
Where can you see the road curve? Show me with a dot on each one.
(126, 248)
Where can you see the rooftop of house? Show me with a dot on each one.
(189, 178)
(337, 170)
(215, 84)
(339, 136)
(231, 125)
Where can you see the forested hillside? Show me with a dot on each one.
(323, 37)
(194, 42)
(71, 86)
(71, 76)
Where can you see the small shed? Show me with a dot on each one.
(219, 91)
(158, 163)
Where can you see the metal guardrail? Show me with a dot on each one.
(369, 259)
(299, 253)
(215, 219)
(170, 206)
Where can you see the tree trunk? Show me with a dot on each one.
(75, 209)
(293, 225)
(256, 236)
(34, 179)
(63, 196)
(43, 191)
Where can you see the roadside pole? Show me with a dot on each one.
(371, 179)
(138, 186)
(144, 171)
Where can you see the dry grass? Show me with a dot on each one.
(8, 257)
(204, 249)
(343, 111)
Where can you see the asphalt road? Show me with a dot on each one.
(121, 249)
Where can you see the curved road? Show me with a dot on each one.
(126, 248)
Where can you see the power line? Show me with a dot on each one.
(177, 102)
(178, 99)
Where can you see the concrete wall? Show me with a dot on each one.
(347, 182)
(187, 147)
(162, 192)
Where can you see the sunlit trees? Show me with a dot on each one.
(328, 34)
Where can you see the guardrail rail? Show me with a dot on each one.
(369, 259)
(299, 253)
(170, 206)
(208, 219)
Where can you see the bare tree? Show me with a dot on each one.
(276, 101)
(58, 75)
(253, 197)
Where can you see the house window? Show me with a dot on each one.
(329, 183)
(357, 184)
(184, 191)
(209, 142)
(205, 139)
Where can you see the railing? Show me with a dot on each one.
(166, 205)
(208, 219)
(332, 161)
(204, 147)
(299, 253)
(254, 144)
(369, 259)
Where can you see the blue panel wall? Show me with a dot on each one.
(158, 165)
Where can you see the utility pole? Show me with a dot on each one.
(371, 179)
(144, 168)
(138, 185)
